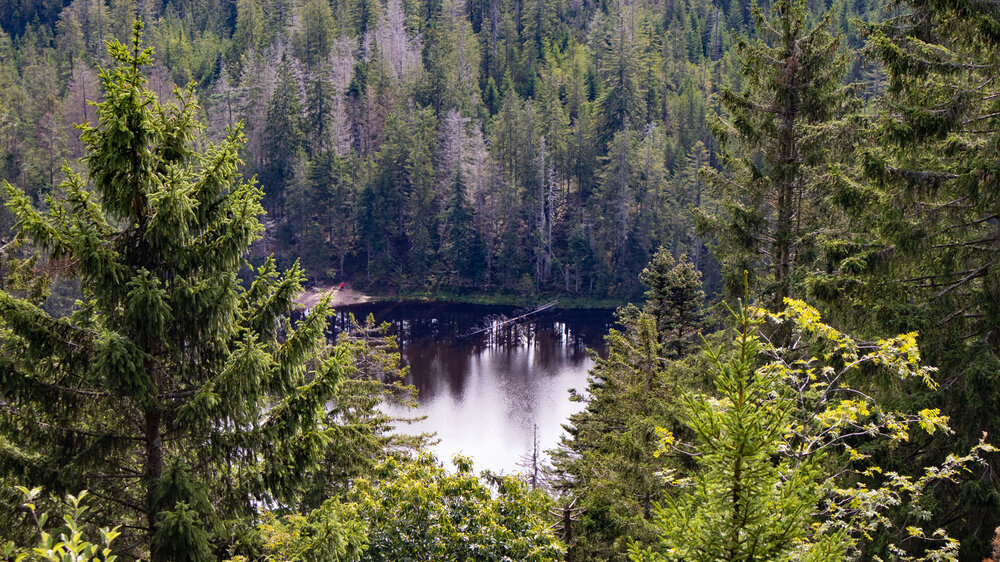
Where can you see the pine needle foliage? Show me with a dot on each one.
(168, 393)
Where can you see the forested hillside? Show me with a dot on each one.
(802, 199)
(508, 147)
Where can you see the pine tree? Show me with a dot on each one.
(167, 393)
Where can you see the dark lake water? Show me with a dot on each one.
(484, 392)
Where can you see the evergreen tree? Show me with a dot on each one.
(675, 299)
(773, 151)
(282, 136)
(609, 458)
(783, 452)
(613, 201)
(311, 42)
(463, 245)
(620, 102)
(167, 393)
(19, 274)
(925, 250)
(249, 33)
(742, 505)
(318, 123)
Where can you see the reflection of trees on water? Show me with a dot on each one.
(435, 342)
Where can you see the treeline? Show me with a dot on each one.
(210, 426)
(500, 146)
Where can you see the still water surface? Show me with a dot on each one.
(483, 392)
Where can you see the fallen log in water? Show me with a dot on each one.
(497, 323)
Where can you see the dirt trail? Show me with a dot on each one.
(342, 295)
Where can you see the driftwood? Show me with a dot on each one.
(497, 323)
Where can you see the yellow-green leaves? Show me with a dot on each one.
(931, 420)
(70, 545)
(791, 436)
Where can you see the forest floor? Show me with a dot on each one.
(342, 295)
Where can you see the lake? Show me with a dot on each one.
(485, 391)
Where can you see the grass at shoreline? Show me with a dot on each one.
(500, 299)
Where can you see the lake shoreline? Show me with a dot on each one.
(345, 295)
(563, 303)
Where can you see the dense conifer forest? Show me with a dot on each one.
(502, 147)
(801, 198)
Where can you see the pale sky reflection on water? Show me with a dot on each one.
(483, 398)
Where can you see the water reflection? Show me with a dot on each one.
(483, 391)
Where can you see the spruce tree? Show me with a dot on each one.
(620, 104)
(609, 458)
(675, 299)
(774, 152)
(282, 138)
(168, 392)
(930, 197)
(744, 502)
(462, 243)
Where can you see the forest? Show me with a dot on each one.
(801, 197)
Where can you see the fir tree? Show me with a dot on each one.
(742, 505)
(783, 452)
(675, 299)
(282, 136)
(463, 244)
(609, 458)
(621, 101)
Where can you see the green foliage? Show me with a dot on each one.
(332, 532)
(414, 509)
(609, 459)
(558, 80)
(776, 144)
(168, 392)
(417, 510)
(675, 299)
(70, 546)
(925, 201)
(728, 510)
(19, 274)
(492, 147)
(788, 436)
